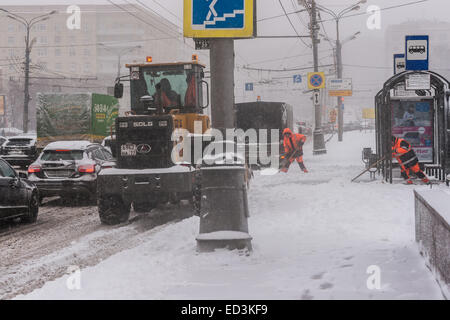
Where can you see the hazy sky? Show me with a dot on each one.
(367, 49)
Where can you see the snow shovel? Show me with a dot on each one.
(290, 156)
(370, 167)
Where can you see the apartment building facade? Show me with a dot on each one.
(81, 51)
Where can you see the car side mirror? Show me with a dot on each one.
(118, 90)
(23, 175)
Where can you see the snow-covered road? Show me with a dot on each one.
(314, 237)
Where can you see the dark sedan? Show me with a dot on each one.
(20, 151)
(18, 196)
(69, 169)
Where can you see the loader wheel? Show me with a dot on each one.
(144, 206)
(112, 210)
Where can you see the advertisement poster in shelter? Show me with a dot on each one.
(413, 121)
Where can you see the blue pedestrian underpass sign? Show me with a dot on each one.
(297, 78)
(219, 18)
(249, 86)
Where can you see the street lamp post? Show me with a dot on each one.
(339, 68)
(120, 54)
(28, 46)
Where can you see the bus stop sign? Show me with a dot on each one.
(417, 53)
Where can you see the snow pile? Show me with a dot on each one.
(315, 236)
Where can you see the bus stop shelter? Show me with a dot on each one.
(419, 116)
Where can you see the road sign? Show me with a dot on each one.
(340, 87)
(417, 52)
(219, 18)
(298, 78)
(249, 86)
(368, 113)
(399, 63)
(202, 44)
(333, 115)
(418, 81)
(316, 98)
(316, 80)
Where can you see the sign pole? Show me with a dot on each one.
(318, 139)
(222, 83)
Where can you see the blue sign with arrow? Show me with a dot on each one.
(298, 78)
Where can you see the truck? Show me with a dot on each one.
(74, 116)
(164, 97)
(263, 115)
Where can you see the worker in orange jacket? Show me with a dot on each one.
(407, 159)
(293, 150)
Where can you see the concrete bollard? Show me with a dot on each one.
(224, 209)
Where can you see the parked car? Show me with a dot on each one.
(18, 196)
(2, 142)
(109, 144)
(20, 150)
(69, 169)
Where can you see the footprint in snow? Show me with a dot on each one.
(318, 276)
(326, 285)
(348, 258)
(306, 295)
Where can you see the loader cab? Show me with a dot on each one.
(166, 88)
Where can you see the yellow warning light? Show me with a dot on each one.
(195, 57)
(149, 59)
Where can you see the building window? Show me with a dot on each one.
(87, 67)
(42, 52)
(43, 40)
(42, 27)
(72, 52)
(87, 52)
(73, 67)
(11, 28)
(57, 52)
(12, 52)
(57, 39)
(11, 40)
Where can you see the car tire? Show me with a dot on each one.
(33, 209)
(144, 206)
(112, 210)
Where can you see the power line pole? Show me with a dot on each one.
(339, 76)
(318, 138)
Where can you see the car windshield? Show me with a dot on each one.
(58, 155)
(19, 142)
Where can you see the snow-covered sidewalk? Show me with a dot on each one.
(314, 237)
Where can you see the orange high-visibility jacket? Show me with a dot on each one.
(404, 153)
(293, 142)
